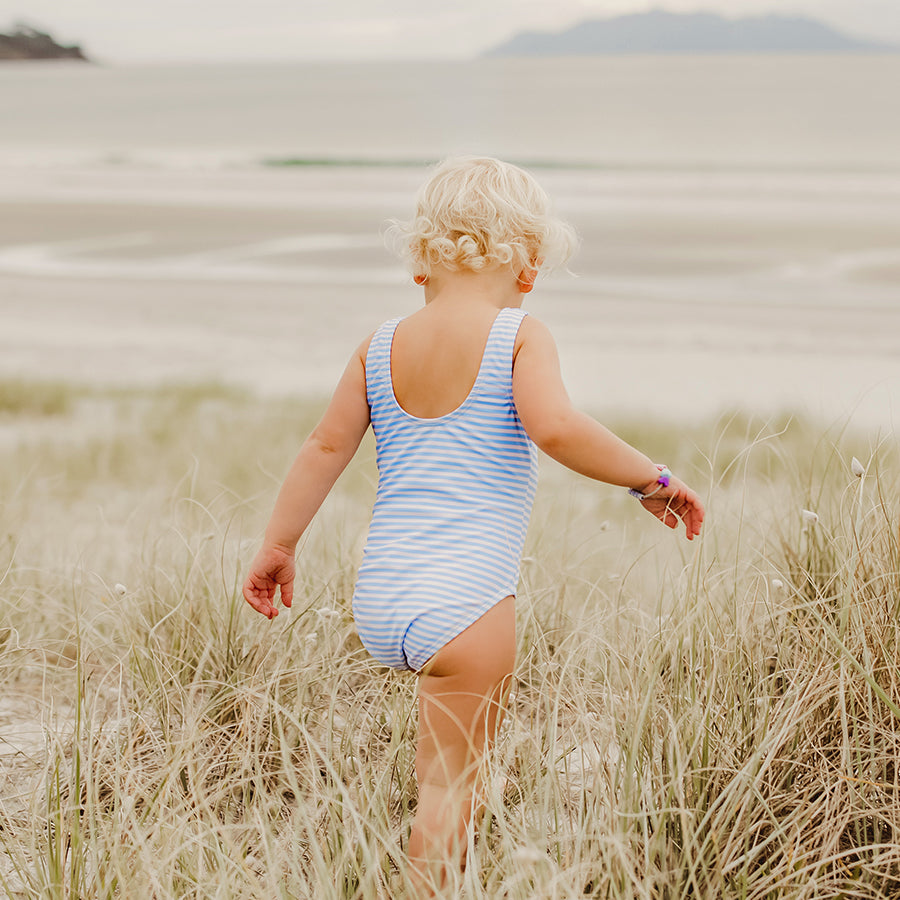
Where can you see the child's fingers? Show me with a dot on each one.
(669, 515)
(693, 517)
(697, 513)
(261, 605)
(681, 505)
(287, 593)
(685, 507)
(690, 527)
(259, 596)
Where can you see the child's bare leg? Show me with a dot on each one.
(462, 690)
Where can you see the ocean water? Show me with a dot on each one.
(772, 112)
(740, 220)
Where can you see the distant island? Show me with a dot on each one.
(658, 31)
(26, 42)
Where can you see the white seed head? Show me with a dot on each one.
(528, 855)
(808, 516)
(327, 613)
(857, 468)
(777, 583)
(121, 590)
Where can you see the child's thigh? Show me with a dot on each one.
(483, 652)
(461, 694)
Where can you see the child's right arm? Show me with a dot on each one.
(322, 458)
(580, 442)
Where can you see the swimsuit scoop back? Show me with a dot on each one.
(452, 507)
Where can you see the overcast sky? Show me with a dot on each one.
(208, 30)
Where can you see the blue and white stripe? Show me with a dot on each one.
(453, 503)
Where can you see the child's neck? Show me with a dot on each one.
(495, 287)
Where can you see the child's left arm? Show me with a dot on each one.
(322, 458)
(583, 444)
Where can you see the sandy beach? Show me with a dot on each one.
(692, 294)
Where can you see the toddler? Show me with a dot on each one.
(460, 395)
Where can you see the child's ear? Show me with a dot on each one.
(525, 279)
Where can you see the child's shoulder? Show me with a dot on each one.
(385, 326)
(533, 333)
(363, 349)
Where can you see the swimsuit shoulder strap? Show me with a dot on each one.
(378, 362)
(496, 369)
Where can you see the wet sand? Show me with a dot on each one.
(692, 294)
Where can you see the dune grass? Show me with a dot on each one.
(715, 721)
(19, 397)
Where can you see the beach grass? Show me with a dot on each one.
(21, 397)
(689, 720)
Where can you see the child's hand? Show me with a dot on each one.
(677, 501)
(271, 568)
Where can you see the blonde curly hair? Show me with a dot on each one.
(475, 213)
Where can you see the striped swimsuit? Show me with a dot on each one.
(453, 503)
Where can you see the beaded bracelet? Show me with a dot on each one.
(663, 481)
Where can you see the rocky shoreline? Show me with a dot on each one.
(26, 43)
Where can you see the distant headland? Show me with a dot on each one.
(25, 42)
(661, 32)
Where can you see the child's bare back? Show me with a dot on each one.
(437, 353)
